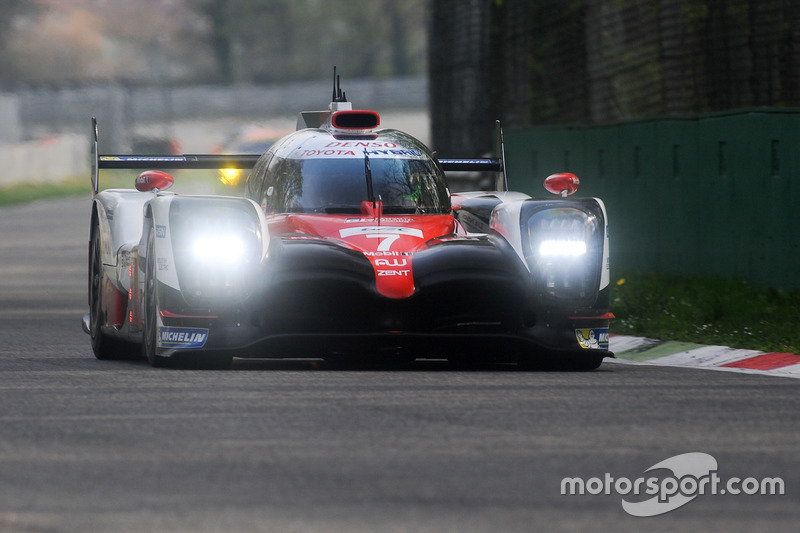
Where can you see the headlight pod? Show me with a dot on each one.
(563, 246)
(217, 246)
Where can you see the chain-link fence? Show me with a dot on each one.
(535, 62)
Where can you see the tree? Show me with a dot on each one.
(10, 12)
(285, 40)
(198, 41)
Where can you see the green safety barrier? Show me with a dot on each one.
(710, 194)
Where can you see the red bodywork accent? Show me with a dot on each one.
(562, 184)
(115, 302)
(355, 120)
(153, 179)
(388, 241)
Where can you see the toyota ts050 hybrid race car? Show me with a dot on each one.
(346, 242)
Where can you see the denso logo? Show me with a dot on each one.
(360, 144)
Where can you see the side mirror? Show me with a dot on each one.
(563, 184)
(153, 180)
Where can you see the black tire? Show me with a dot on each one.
(104, 346)
(150, 306)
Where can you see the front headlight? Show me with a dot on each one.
(560, 248)
(217, 247)
(564, 252)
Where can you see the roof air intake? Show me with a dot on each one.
(355, 120)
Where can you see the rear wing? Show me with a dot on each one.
(187, 161)
(487, 164)
(248, 161)
(170, 162)
(490, 164)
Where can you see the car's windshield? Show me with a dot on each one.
(333, 185)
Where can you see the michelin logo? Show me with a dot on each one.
(182, 337)
(592, 339)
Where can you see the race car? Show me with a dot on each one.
(346, 243)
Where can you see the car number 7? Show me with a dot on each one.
(386, 243)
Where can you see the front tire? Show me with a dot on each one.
(104, 346)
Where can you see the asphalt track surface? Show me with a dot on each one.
(95, 446)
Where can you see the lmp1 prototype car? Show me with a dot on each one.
(346, 243)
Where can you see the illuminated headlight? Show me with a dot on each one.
(564, 253)
(217, 247)
(220, 249)
(556, 248)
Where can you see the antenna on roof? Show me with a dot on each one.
(339, 101)
(338, 95)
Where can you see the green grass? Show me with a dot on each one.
(28, 192)
(706, 310)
